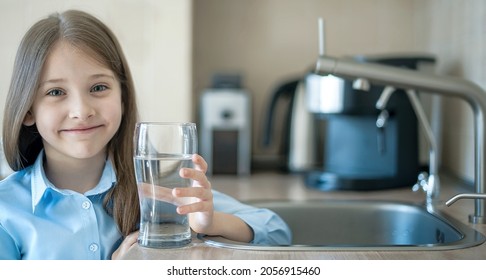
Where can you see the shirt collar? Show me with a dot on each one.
(40, 184)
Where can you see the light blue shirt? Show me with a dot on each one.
(40, 221)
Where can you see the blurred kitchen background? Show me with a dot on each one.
(179, 50)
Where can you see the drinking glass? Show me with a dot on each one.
(161, 150)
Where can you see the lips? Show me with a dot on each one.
(81, 129)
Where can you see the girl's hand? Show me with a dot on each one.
(201, 209)
(127, 243)
(197, 203)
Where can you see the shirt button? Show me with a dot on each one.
(93, 247)
(86, 205)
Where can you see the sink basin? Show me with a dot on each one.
(362, 225)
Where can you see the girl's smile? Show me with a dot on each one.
(81, 129)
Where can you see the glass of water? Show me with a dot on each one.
(161, 150)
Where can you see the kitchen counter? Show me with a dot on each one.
(264, 186)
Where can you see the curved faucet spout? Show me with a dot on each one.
(427, 83)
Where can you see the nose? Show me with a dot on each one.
(81, 107)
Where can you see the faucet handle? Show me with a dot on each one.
(465, 195)
(473, 218)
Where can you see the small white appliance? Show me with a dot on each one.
(225, 130)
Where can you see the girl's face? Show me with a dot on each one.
(77, 107)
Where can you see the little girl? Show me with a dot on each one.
(68, 133)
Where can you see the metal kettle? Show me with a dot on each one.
(299, 142)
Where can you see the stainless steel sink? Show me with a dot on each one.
(362, 225)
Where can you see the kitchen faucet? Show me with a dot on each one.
(411, 80)
(428, 182)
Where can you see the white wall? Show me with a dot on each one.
(155, 34)
(455, 32)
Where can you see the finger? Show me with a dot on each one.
(157, 192)
(201, 193)
(131, 239)
(202, 206)
(196, 175)
(199, 163)
(127, 243)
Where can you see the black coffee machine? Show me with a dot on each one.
(358, 154)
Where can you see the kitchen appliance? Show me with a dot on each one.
(298, 138)
(225, 126)
(360, 152)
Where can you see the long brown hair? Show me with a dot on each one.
(22, 144)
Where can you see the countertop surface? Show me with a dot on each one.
(275, 186)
